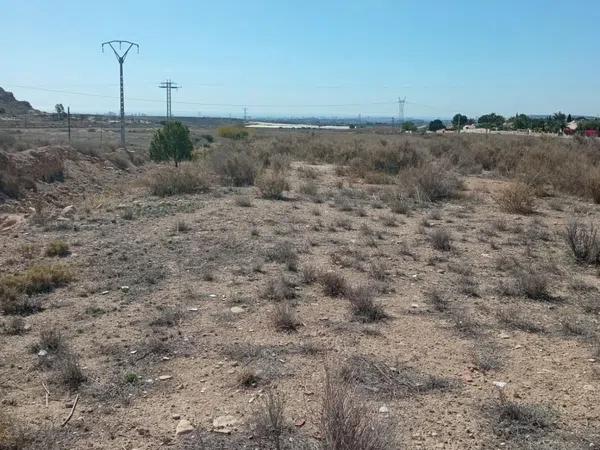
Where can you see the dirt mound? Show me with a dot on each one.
(10, 105)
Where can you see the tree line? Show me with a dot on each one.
(555, 123)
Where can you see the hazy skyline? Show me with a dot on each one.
(339, 58)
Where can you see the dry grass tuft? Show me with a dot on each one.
(270, 423)
(57, 248)
(441, 239)
(188, 178)
(334, 284)
(583, 242)
(345, 424)
(283, 318)
(362, 304)
(272, 184)
(516, 198)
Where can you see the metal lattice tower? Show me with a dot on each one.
(401, 103)
(121, 59)
(168, 85)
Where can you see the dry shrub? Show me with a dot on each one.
(583, 242)
(438, 300)
(185, 179)
(593, 187)
(434, 182)
(279, 289)
(284, 318)
(57, 248)
(362, 304)
(441, 239)
(248, 377)
(36, 280)
(14, 326)
(284, 253)
(345, 423)
(233, 132)
(513, 420)
(270, 423)
(234, 166)
(516, 198)
(272, 184)
(310, 274)
(334, 284)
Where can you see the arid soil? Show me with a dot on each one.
(483, 332)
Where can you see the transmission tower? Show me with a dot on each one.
(245, 114)
(401, 102)
(168, 85)
(121, 59)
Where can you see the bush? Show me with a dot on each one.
(272, 184)
(35, 280)
(441, 240)
(235, 167)
(583, 242)
(434, 182)
(233, 132)
(283, 318)
(362, 305)
(57, 248)
(171, 143)
(516, 198)
(345, 424)
(270, 421)
(334, 284)
(187, 179)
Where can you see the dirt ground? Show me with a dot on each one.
(183, 288)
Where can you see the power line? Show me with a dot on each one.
(121, 59)
(168, 85)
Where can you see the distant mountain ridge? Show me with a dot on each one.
(10, 105)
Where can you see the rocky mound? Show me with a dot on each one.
(11, 106)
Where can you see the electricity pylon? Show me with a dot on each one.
(401, 102)
(121, 59)
(168, 85)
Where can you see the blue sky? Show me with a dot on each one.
(308, 58)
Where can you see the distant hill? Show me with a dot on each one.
(11, 106)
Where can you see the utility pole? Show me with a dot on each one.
(69, 122)
(168, 85)
(401, 102)
(121, 59)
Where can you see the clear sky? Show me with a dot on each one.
(328, 57)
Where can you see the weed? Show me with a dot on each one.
(583, 242)
(284, 253)
(272, 184)
(280, 289)
(57, 248)
(513, 420)
(362, 305)
(345, 424)
(284, 318)
(185, 179)
(14, 326)
(310, 274)
(270, 423)
(243, 201)
(516, 198)
(514, 318)
(168, 317)
(248, 377)
(437, 300)
(334, 284)
(441, 239)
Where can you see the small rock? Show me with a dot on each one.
(414, 305)
(300, 423)
(165, 377)
(67, 210)
(224, 422)
(500, 384)
(504, 336)
(237, 309)
(192, 309)
(104, 292)
(42, 353)
(184, 427)
(213, 295)
(125, 288)
(175, 416)
(384, 409)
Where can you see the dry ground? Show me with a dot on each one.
(465, 296)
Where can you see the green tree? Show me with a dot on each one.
(491, 120)
(409, 126)
(522, 122)
(459, 121)
(172, 142)
(436, 125)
